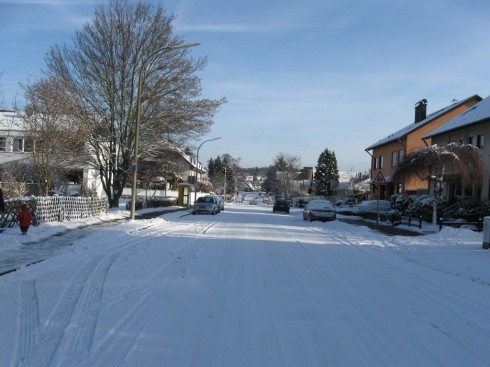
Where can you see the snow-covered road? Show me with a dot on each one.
(250, 288)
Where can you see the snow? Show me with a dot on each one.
(245, 287)
(416, 125)
(477, 113)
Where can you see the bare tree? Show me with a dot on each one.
(14, 177)
(287, 167)
(54, 138)
(124, 47)
(2, 96)
(438, 162)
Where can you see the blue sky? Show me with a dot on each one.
(300, 76)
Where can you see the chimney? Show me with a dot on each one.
(308, 173)
(420, 110)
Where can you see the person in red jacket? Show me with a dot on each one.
(24, 217)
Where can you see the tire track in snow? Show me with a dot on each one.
(28, 322)
(71, 325)
(77, 343)
(52, 331)
(118, 343)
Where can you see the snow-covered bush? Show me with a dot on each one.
(471, 210)
(417, 207)
(401, 202)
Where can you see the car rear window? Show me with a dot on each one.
(320, 205)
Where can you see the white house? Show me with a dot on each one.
(15, 147)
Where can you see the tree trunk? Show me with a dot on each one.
(113, 202)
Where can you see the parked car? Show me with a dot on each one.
(63, 193)
(281, 205)
(221, 202)
(372, 206)
(319, 210)
(206, 204)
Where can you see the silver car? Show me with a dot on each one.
(319, 210)
(221, 202)
(206, 204)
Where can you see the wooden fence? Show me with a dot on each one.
(53, 208)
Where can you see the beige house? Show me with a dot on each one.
(387, 153)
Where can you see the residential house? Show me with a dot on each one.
(470, 127)
(187, 166)
(387, 153)
(15, 147)
(13, 142)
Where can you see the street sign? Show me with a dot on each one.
(379, 179)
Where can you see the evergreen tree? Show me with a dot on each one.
(222, 168)
(229, 174)
(210, 168)
(326, 174)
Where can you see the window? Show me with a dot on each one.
(471, 140)
(401, 155)
(3, 144)
(23, 145)
(480, 141)
(28, 145)
(378, 162)
(394, 159)
(18, 145)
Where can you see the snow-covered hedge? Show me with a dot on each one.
(417, 207)
(471, 210)
(59, 208)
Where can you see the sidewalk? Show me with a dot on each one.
(35, 250)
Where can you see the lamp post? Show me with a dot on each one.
(138, 112)
(224, 185)
(197, 164)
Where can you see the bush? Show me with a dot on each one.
(416, 207)
(471, 210)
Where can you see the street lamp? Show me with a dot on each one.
(197, 164)
(138, 112)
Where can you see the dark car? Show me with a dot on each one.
(281, 206)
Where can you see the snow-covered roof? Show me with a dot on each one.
(477, 113)
(416, 125)
(10, 120)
